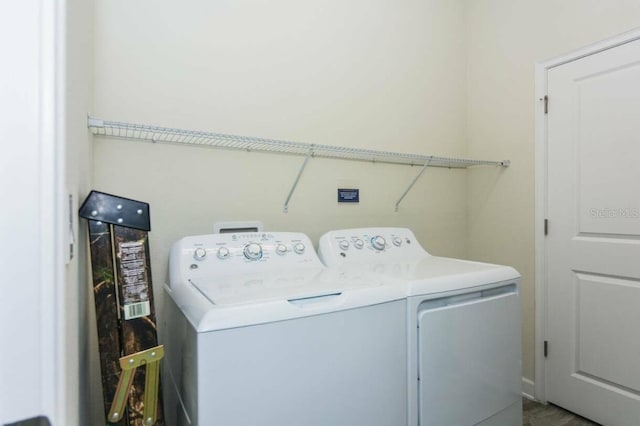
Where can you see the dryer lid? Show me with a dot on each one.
(432, 274)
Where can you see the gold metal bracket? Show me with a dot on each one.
(129, 364)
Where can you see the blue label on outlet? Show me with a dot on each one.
(348, 195)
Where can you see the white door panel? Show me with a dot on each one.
(608, 171)
(593, 246)
(585, 252)
(608, 347)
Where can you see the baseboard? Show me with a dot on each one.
(528, 388)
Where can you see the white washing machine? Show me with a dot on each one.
(463, 326)
(259, 332)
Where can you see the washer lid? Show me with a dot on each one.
(260, 287)
(250, 299)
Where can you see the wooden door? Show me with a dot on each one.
(593, 243)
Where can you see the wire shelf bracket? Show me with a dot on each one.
(413, 182)
(295, 183)
(143, 132)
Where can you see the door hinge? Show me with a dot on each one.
(546, 348)
(546, 104)
(546, 227)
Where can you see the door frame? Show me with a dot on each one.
(541, 191)
(38, 117)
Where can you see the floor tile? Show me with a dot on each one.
(536, 414)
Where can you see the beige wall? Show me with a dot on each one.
(386, 76)
(505, 39)
(82, 372)
(433, 77)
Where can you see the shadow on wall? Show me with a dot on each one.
(36, 421)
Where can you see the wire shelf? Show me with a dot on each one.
(121, 130)
(144, 132)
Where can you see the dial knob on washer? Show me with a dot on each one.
(223, 253)
(344, 244)
(299, 248)
(378, 242)
(397, 241)
(358, 243)
(281, 249)
(200, 253)
(253, 251)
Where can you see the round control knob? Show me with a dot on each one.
(223, 253)
(200, 253)
(397, 241)
(344, 244)
(358, 243)
(299, 248)
(253, 251)
(378, 242)
(281, 249)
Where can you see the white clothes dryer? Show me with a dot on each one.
(463, 326)
(259, 332)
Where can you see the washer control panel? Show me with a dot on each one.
(362, 245)
(221, 254)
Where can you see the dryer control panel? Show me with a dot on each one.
(365, 245)
(244, 252)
